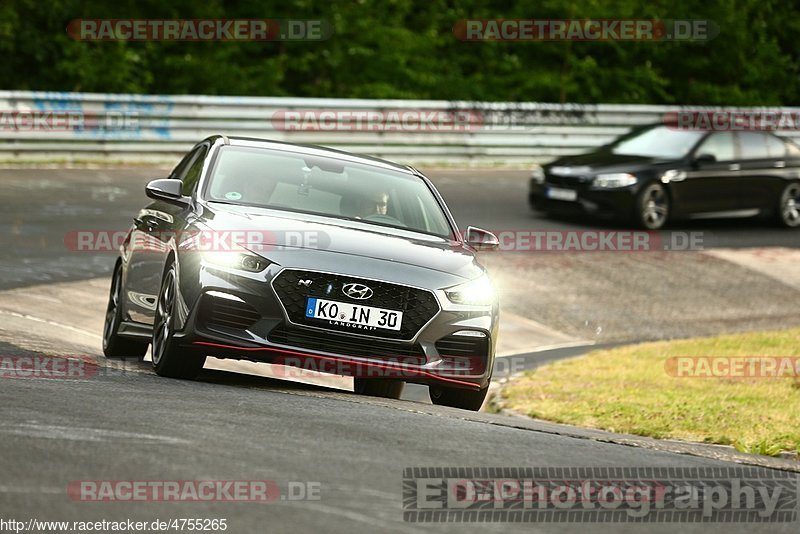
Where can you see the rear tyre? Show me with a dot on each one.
(168, 359)
(788, 214)
(114, 345)
(652, 207)
(458, 398)
(372, 387)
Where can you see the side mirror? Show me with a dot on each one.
(481, 239)
(704, 158)
(168, 190)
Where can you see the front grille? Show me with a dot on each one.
(225, 313)
(464, 353)
(347, 345)
(574, 182)
(418, 305)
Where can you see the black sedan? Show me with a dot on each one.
(308, 257)
(659, 173)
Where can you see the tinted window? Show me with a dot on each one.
(326, 186)
(192, 175)
(719, 145)
(776, 148)
(753, 145)
(658, 142)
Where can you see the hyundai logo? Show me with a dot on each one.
(357, 291)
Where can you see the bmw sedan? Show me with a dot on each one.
(660, 173)
(308, 257)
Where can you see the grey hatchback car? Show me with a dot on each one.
(310, 257)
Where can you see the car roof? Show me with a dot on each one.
(311, 150)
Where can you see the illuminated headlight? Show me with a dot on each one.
(236, 260)
(608, 181)
(478, 292)
(537, 175)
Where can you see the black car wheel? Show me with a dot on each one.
(458, 398)
(373, 387)
(168, 359)
(652, 207)
(789, 207)
(115, 346)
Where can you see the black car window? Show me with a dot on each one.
(776, 148)
(719, 145)
(753, 145)
(192, 175)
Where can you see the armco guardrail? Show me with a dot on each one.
(103, 127)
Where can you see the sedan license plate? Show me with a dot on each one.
(555, 193)
(353, 314)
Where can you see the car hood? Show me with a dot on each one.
(604, 161)
(351, 247)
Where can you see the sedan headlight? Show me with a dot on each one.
(478, 292)
(537, 175)
(236, 260)
(609, 181)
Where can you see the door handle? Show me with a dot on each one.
(734, 167)
(779, 164)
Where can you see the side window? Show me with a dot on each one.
(719, 145)
(753, 145)
(775, 147)
(192, 175)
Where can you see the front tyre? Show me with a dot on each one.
(458, 398)
(168, 359)
(652, 207)
(114, 345)
(789, 206)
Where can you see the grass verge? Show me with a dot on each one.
(653, 389)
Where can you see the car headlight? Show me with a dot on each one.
(478, 292)
(537, 175)
(236, 260)
(619, 179)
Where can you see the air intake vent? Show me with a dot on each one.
(227, 313)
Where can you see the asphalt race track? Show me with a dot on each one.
(133, 425)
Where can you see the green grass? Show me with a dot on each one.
(629, 390)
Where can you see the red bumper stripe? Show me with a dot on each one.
(416, 372)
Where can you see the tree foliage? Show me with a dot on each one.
(407, 49)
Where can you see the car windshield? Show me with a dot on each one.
(326, 186)
(657, 142)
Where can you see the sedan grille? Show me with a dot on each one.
(293, 287)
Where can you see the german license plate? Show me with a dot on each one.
(353, 314)
(556, 193)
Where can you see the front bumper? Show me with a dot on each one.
(243, 317)
(617, 203)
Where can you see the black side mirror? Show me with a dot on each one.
(168, 190)
(481, 239)
(703, 158)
